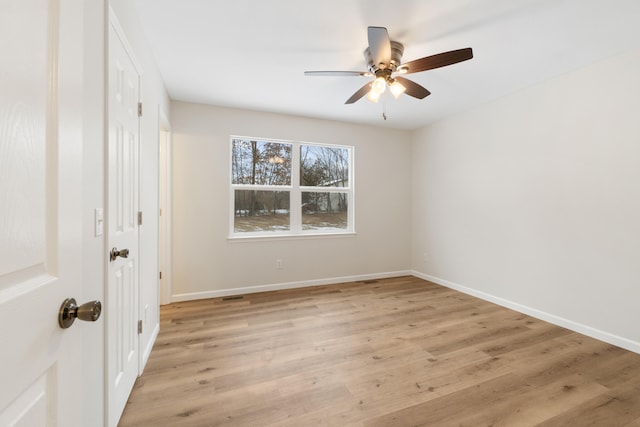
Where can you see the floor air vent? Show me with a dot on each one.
(232, 297)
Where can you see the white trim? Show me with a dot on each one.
(289, 141)
(167, 214)
(273, 236)
(288, 285)
(295, 205)
(538, 314)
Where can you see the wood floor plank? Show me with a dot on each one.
(535, 405)
(399, 351)
(450, 408)
(617, 407)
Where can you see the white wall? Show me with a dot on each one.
(206, 263)
(154, 99)
(534, 200)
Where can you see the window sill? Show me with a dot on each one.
(281, 237)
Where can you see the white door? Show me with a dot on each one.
(40, 211)
(122, 286)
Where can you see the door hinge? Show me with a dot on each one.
(139, 109)
(140, 218)
(161, 275)
(139, 326)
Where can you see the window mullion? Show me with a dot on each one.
(295, 213)
(256, 187)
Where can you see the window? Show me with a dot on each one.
(290, 188)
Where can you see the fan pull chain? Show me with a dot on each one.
(384, 109)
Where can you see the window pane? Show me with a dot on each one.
(324, 211)
(260, 162)
(261, 211)
(324, 166)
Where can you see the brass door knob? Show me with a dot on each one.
(69, 311)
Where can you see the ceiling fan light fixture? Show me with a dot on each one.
(373, 96)
(397, 88)
(379, 85)
(383, 57)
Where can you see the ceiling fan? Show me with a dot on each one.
(383, 58)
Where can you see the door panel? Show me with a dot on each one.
(31, 406)
(23, 118)
(40, 210)
(122, 288)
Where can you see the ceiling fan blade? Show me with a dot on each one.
(413, 88)
(360, 93)
(379, 45)
(439, 60)
(337, 73)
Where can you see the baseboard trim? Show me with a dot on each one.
(538, 314)
(287, 285)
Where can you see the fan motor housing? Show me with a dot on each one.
(397, 49)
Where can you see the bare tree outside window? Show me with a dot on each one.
(268, 211)
(261, 163)
(266, 182)
(324, 168)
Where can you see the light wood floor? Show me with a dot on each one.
(395, 352)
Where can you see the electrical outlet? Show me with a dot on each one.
(279, 264)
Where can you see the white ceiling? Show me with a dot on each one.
(252, 53)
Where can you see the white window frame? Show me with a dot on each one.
(295, 194)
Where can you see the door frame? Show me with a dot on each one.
(165, 254)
